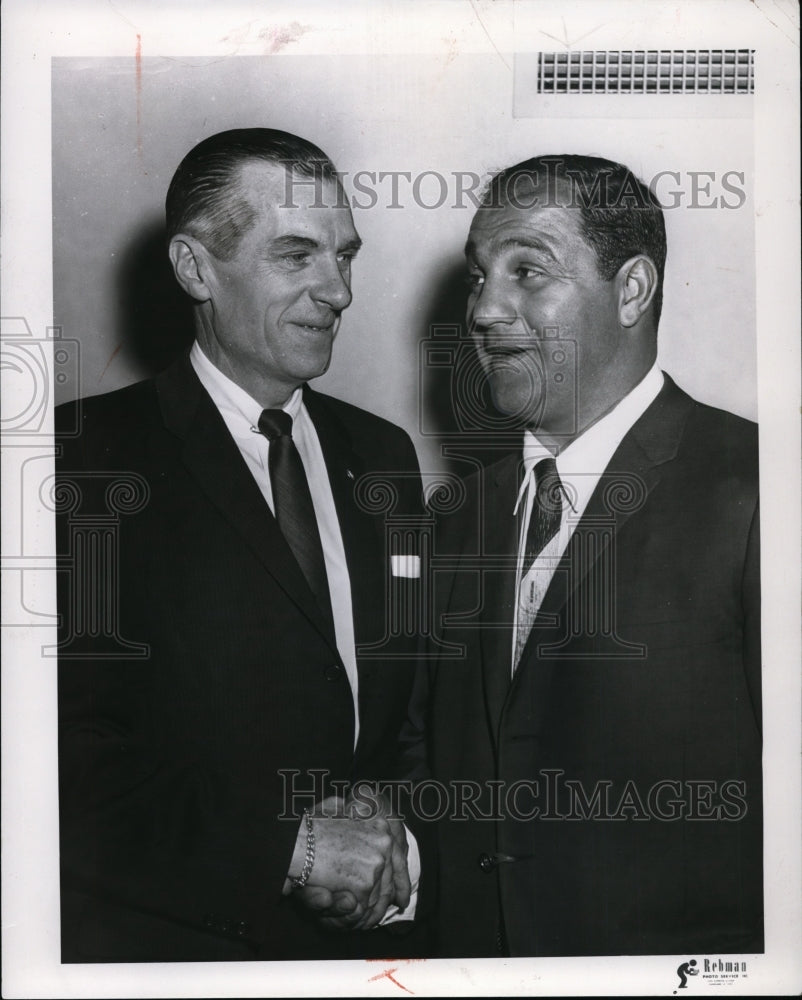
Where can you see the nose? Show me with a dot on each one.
(490, 308)
(333, 288)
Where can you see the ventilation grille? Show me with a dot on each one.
(654, 71)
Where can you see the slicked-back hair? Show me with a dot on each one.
(619, 216)
(204, 199)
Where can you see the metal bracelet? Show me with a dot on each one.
(309, 860)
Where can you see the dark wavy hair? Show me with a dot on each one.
(619, 216)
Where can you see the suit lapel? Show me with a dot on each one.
(499, 542)
(344, 466)
(363, 543)
(213, 459)
(631, 475)
(360, 534)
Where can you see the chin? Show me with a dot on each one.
(314, 369)
(519, 398)
(312, 373)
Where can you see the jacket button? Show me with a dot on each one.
(486, 863)
(333, 672)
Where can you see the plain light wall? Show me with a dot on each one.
(120, 130)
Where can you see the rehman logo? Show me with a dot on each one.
(686, 969)
(714, 971)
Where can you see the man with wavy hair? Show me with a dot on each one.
(599, 724)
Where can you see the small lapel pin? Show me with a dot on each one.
(349, 473)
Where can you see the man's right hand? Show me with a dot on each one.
(371, 802)
(357, 861)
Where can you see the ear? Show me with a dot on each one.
(191, 266)
(638, 284)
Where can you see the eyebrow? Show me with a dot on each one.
(513, 243)
(289, 243)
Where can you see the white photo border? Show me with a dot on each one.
(34, 34)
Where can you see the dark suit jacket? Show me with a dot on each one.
(642, 669)
(172, 791)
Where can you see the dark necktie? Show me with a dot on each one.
(292, 503)
(544, 521)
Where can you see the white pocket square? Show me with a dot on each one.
(406, 566)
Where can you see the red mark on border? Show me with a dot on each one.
(388, 974)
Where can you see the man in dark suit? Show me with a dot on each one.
(595, 708)
(227, 670)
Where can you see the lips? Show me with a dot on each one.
(502, 344)
(318, 326)
(506, 350)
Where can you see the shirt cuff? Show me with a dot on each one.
(393, 914)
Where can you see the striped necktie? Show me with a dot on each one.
(544, 521)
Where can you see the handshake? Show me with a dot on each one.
(359, 863)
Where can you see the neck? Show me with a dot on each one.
(270, 394)
(555, 441)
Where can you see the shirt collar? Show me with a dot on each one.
(239, 409)
(587, 457)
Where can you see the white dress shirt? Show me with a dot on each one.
(579, 466)
(241, 415)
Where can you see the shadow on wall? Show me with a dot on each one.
(456, 407)
(155, 320)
